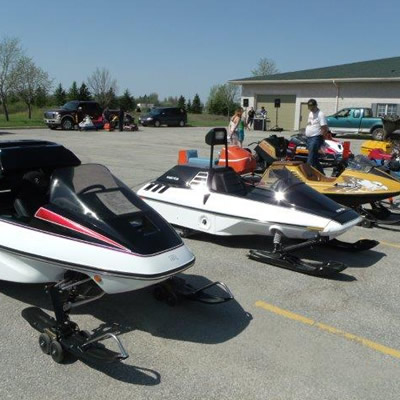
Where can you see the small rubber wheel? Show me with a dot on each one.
(45, 342)
(366, 223)
(56, 352)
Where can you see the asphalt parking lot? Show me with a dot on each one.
(285, 336)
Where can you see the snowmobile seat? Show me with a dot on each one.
(191, 157)
(226, 180)
(31, 194)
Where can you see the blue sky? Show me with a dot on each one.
(178, 47)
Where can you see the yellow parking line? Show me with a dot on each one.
(397, 246)
(326, 328)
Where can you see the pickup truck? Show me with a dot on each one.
(356, 120)
(71, 113)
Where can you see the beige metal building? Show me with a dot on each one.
(374, 84)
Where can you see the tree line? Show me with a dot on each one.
(22, 80)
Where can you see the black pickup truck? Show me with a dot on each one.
(71, 113)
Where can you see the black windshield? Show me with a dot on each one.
(282, 188)
(71, 106)
(91, 195)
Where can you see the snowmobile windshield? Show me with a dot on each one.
(91, 196)
(361, 163)
(284, 189)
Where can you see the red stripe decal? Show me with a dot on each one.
(57, 219)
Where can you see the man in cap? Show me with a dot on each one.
(316, 128)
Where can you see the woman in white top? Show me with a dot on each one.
(233, 134)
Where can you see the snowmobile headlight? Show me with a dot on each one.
(314, 228)
(279, 196)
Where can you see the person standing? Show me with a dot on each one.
(316, 128)
(240, 130)
(121, 116)
(233, 134)
(250, 117)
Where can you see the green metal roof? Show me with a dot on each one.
(383, 68)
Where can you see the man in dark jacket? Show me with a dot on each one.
(121, 119)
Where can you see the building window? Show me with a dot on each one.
(386, 109)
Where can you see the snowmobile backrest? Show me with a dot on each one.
(217, 136)
(226, 180)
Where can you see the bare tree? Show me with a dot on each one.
(265, 66)
(10, 52)
(28, 79)
(103, 86)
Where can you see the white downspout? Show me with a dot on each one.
(337, 95)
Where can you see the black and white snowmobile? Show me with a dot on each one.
(216, 200)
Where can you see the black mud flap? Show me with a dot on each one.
(293, 263)
(175, 289)
(360, 245)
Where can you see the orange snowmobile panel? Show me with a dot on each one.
(241, 160)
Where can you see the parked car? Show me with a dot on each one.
(71, 113)
(164, 116)
(356, 120)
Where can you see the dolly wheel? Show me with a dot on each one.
(44, 343)
(365, 223)
(56, 352)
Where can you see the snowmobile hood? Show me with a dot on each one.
(289, 191)
(88, 202)
(351, 188)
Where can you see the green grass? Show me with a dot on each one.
(21, 120)
(207, 120)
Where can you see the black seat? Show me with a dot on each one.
(31, 193)
(226, 180)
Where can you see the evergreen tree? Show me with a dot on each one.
(189, 106)
(84, 93)
(60, 96)
(110, 99)
(73, 92)
(40, 97)
(197, 107)
(182, 102)
(126, 101)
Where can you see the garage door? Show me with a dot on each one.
(285, 112)
(304, 113)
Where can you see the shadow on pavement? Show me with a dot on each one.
(362, 259)
(138, 310)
